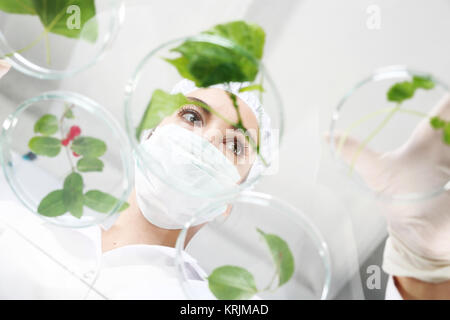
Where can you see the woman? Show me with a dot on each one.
(137, 254)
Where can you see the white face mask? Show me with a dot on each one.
(194, 164)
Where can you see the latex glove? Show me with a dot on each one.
(4, 67)
(419, 231)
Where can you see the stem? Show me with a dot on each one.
(271, 281)
(364, 119)
(39, 38)
(372, 135)
(240, 125)
(29, 46)
(61, 123)
(413, 112)
(234, 125)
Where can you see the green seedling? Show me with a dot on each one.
(236, 283)
(72, 198)
(207, 64)
(56, 17)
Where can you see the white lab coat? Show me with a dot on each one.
(42, 261)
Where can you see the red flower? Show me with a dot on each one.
(74, 132)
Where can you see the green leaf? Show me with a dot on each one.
(55, 18)
(90, 165)
(52, 205)
(73, 194)
(232, 283)
(46, 125)
(423, 82)
(281, 255)
(102, 202)
(401, 91)
(162, 104)
(437, 123)
(18, 6)
(182, 65)
(208, 63)
(248, 36)
(69, 114)
(45, 146)
(446, 134)
(88, 147)
(257, 87)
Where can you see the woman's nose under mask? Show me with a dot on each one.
(194, 165)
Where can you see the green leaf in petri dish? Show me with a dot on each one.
(232, 283)
(281, 255)
(45, 146)
(52, 205)
(423, 82)
(88, 164)
(18, 6)
(161, 105)
(208, 63)
(88, 147)
(102, 202)
(46, 125)
(54, 16)
(73, 194)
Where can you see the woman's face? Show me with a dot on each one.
(231, 142)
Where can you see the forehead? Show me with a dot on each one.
(221, 102)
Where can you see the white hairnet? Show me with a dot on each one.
(186, 86)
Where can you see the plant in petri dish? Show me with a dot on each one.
(229, 52)
(397, 93)
(236, 283)
(68, 18)
(72, 197)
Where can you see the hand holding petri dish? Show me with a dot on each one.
(390, 134)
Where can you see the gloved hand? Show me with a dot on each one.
(4, 67)
(419, 230)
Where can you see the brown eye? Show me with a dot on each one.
(191, 116)
(235, 146)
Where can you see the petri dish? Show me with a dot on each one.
(51, 270)
(365, 120)
(60, 40)
(233, 240)
(66, 159)
(153, 72)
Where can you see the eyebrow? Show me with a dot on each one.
(202, 102)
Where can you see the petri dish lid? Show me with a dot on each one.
(366, 119)
(38, 262)
(60, 40)
(66, 159)
(208, 262)
(153, 72)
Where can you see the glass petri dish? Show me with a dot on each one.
(59, 41)
(94, 164)
(233, 240)
(51, 270)
(365, 115)
(152, 73)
